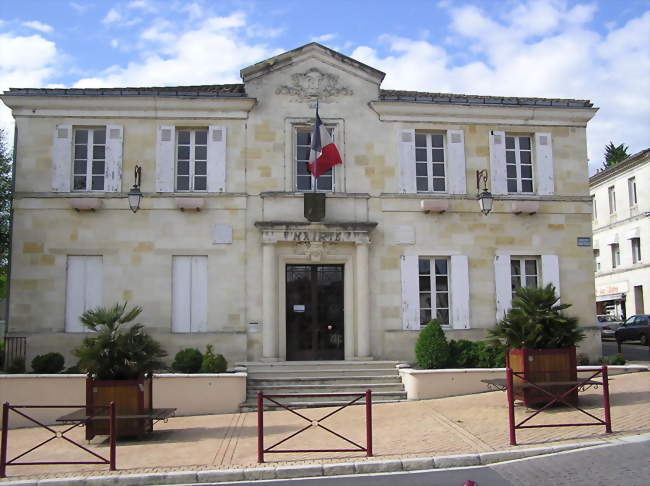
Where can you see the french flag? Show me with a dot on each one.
(323, 154)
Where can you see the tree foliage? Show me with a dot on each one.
(116, 353)
(5, 204)
(432, 348)
(536, 321)
(615, 154)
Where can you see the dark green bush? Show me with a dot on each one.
(48, 363)
(73, 370)
(16, 366)
(213, 363)
(432, 348)
(617, 359)
(476, 354)
(187, 360)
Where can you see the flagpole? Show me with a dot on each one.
(315, 171)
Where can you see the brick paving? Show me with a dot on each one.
(447, 426)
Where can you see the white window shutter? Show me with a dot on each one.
(410, 293)
(456, 174)
(498, 162)
(459, 292)
(407, 161)
(165, 145)
(181, 293)
(62, 158)
(94, 279)
(113, 169)
(544, 163)
(216, 159)
(503, 284)
(551, 272)
(74, 294)
(199, 305)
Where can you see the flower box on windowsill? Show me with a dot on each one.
(525, 207)
(85, 203)
(191, 203)
(434, 205)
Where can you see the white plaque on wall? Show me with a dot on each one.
(221, 234)
(400, 235)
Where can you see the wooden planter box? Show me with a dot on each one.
(543, 366)
(131, 397)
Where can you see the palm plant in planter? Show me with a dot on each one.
(119, 362)
(541, 342)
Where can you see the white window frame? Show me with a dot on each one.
(429, 163)
(89, 159)
(433, 291)
(636, 249)
(517, 150)
(524, 275)
(616, 255)
(611, 194)
(192, 160)
(329, 174)
(594, 208)
(631, 189)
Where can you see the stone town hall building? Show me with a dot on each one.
(220, 251)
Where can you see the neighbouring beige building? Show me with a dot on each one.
(621, 224)
(220, 251)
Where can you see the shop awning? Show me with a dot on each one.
(603, 298)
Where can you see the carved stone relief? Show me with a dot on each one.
(314, 84)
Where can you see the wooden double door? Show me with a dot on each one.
(314, 312)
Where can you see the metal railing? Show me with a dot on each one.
(6, 408)
(261, 450)
(561, 397)
(15, 349)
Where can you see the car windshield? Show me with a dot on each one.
(630, 320)
(607, 319)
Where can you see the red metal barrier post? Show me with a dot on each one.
(608, 419)
(369, 423)
(511, 406)
(111, 431)
(260, 427)
(3, 445)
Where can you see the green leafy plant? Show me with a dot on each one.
(213, 363)
(48, 363)
(536, 321)
(431, 347)
(616, 360)
(614, 154)
(114, 352)
(187, 360)
(476, 354)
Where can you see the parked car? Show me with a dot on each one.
(635, 328)
(608, 324)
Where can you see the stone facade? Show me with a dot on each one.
(249, 224)
(621, 236)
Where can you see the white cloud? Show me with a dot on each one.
(141, 5)
(324, 38)
(112, 16)
(40, 26)
(546, 50)
(171, 55)
(78, 7)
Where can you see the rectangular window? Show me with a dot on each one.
(192, 159)
(616, 255)
(631, 189)
(84, 282)
(636, 250)
(430, 156)
(434, 290)
(304, 179)
(612, 199)
(519, 164)
(594, 208)
(597, 259)
(523, 273)
(89, 163)
(189, 293)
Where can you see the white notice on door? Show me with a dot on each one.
(299, 308)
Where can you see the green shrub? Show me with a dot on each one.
(213, 363)
(462, 354)
(617, 359)
(583, 359)
(16, 366)
(187, 360)
(73, 370)
(491, 354)
(48, 363)
(431, 348)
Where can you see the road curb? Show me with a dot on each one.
(318, 470)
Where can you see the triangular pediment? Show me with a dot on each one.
(309, 51)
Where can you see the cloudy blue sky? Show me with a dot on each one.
(598, 49)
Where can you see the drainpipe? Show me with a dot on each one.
(11, 231)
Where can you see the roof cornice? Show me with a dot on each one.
(633, 161)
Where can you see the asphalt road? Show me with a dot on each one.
(631, 351)
(623, 464)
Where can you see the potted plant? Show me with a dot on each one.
(118, 362)
(541, 342)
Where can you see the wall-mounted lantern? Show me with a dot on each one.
(135, 195)
(484, 197)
